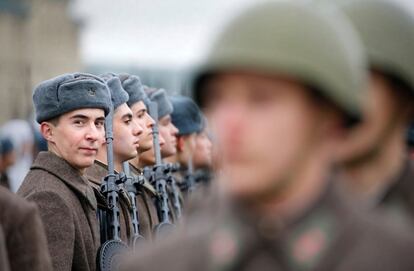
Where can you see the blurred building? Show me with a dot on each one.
(39, 40)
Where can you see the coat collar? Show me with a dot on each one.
(70, 176)
(324, 224)
(96, 172)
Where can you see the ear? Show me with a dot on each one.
(180, 143)
(47, 131)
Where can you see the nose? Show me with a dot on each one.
(150, 121)
(209, 143)
(174, 131)
(161, 140)
(94, 133)
(230, 122)
(137, 129)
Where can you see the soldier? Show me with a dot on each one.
(167, 133)
(7, 159)
(279, 86)
(376, 165)
(167, 130)
(202, 158)
(23, 244)
(146, 197)
(188, 119)
(71, 110)
(125, 143)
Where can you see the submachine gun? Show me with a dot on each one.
(157, 176)
(107, 257)
(176, 200)
(131, 185)
(189, 183)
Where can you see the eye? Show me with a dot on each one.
(99, 124)
(78, 122)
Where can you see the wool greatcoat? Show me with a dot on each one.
(67, 207)
(23, 238)
(328, 236)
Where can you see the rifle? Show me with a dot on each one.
(172, 168)
(107, 257)
(131, 184)
(157, 176)
(189, 182)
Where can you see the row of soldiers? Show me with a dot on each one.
(70, 183)
(309, 104)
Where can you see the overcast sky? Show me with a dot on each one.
(166, 33)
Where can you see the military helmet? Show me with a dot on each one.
(300, 40)
(387, 32)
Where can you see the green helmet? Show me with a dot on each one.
(387, 31)
(316, 47)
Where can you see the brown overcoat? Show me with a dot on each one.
(23, 233)
(330, 236)
(67, 206)
(4, 260)
(398, 199)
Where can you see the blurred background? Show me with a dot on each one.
(159, 40)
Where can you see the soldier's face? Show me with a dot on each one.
(265, 128)
(169, 132)
(202, 155)
(186, 148)
(77, 136)
(142, 117)
(126, 134)
(148, 158)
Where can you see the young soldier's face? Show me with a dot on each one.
(265, 127)
(186, 147)
(148, 158)
(126, 133)
(142, 117)
(77, 136)
(169, 132)
(202, 155)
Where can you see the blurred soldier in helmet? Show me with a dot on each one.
(280, 85)
(376, 165)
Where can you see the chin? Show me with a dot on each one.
(85, 164)
(166, 154)
(242, 193)
(142, 149)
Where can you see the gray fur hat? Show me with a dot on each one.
(186, 116)
(69, 92)
(118, 94)
(132, 85)
(159, 96)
